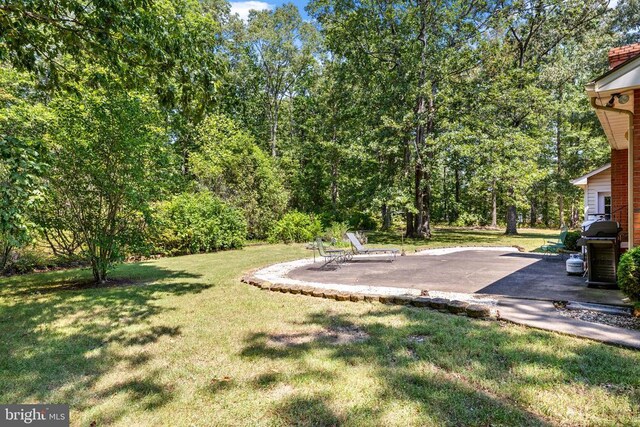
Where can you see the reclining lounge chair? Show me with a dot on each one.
(358, 249)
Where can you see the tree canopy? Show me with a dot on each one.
(400, 115)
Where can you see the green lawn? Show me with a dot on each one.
(528, 239)
(187, 344)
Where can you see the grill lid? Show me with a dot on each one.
(600, 229)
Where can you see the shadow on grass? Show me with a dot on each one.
(82, 280)
(444, 365)
(66, 343)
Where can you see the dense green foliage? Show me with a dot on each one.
(295, 227)
(571, 240)
(629, 273)
(393, 116)
(229, 163)
(192, 223)
(23, 119)
(109, 161)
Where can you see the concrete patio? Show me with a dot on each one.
(505, 272)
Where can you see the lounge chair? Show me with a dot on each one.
(358, 249)
(337, 256)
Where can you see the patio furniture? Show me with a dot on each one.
(359, 249)
(555, 246)
(337, 256)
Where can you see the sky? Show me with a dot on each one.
(242, 8)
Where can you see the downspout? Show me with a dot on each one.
(630, 135)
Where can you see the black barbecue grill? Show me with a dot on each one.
(602, 243)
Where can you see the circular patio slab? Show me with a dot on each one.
(488, 271)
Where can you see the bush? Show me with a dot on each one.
(571, 241)
(337, 231)
(629, 274)
(467, 219)
(33, 258)
(192, 223)
(231, 165)
(295, 227)
(363, 221)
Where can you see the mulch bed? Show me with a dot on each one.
(627, 322)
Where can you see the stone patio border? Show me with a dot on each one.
(441, 304)
(531, 313)
(274, 278)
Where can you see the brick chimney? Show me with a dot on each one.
(618, 55)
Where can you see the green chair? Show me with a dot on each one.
(555, 246)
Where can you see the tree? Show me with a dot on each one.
(110, 159)
(231, 165)
(406, 53)
(23, 121)
(136, 39)
(533, 30)
(281, 46)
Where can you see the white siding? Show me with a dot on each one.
(599, 183)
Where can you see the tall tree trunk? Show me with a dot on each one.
(418, 200)
(409, 232)
(334, 171)
(533, 218)
(425, 230)
(422, 226)
(512, 215)
(386, 217)
(512, 220)
(334, 185)
(274, 130)
(494, 204)
(561, 210)
(559, 167)
(545, 209)
(447, 216)
(456, 206)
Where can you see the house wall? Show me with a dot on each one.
(636, 168)
(599, 183)
(619, 189)
(619, 180)
(618, 55)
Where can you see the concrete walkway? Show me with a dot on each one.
(543, 315)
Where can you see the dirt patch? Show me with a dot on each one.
(417, 338)
(339, 335)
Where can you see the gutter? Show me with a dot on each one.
(630, 207)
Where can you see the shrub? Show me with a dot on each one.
(336, 232)
(295, 227)
(629, 273)
(231, 165)
(111, 162)
(571, 241)
(192, 223)
(363, 221)
(30, 258)
(467, 219)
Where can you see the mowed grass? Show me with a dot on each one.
(185, 343)
(528, 239)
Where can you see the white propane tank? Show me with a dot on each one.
(574, 264)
